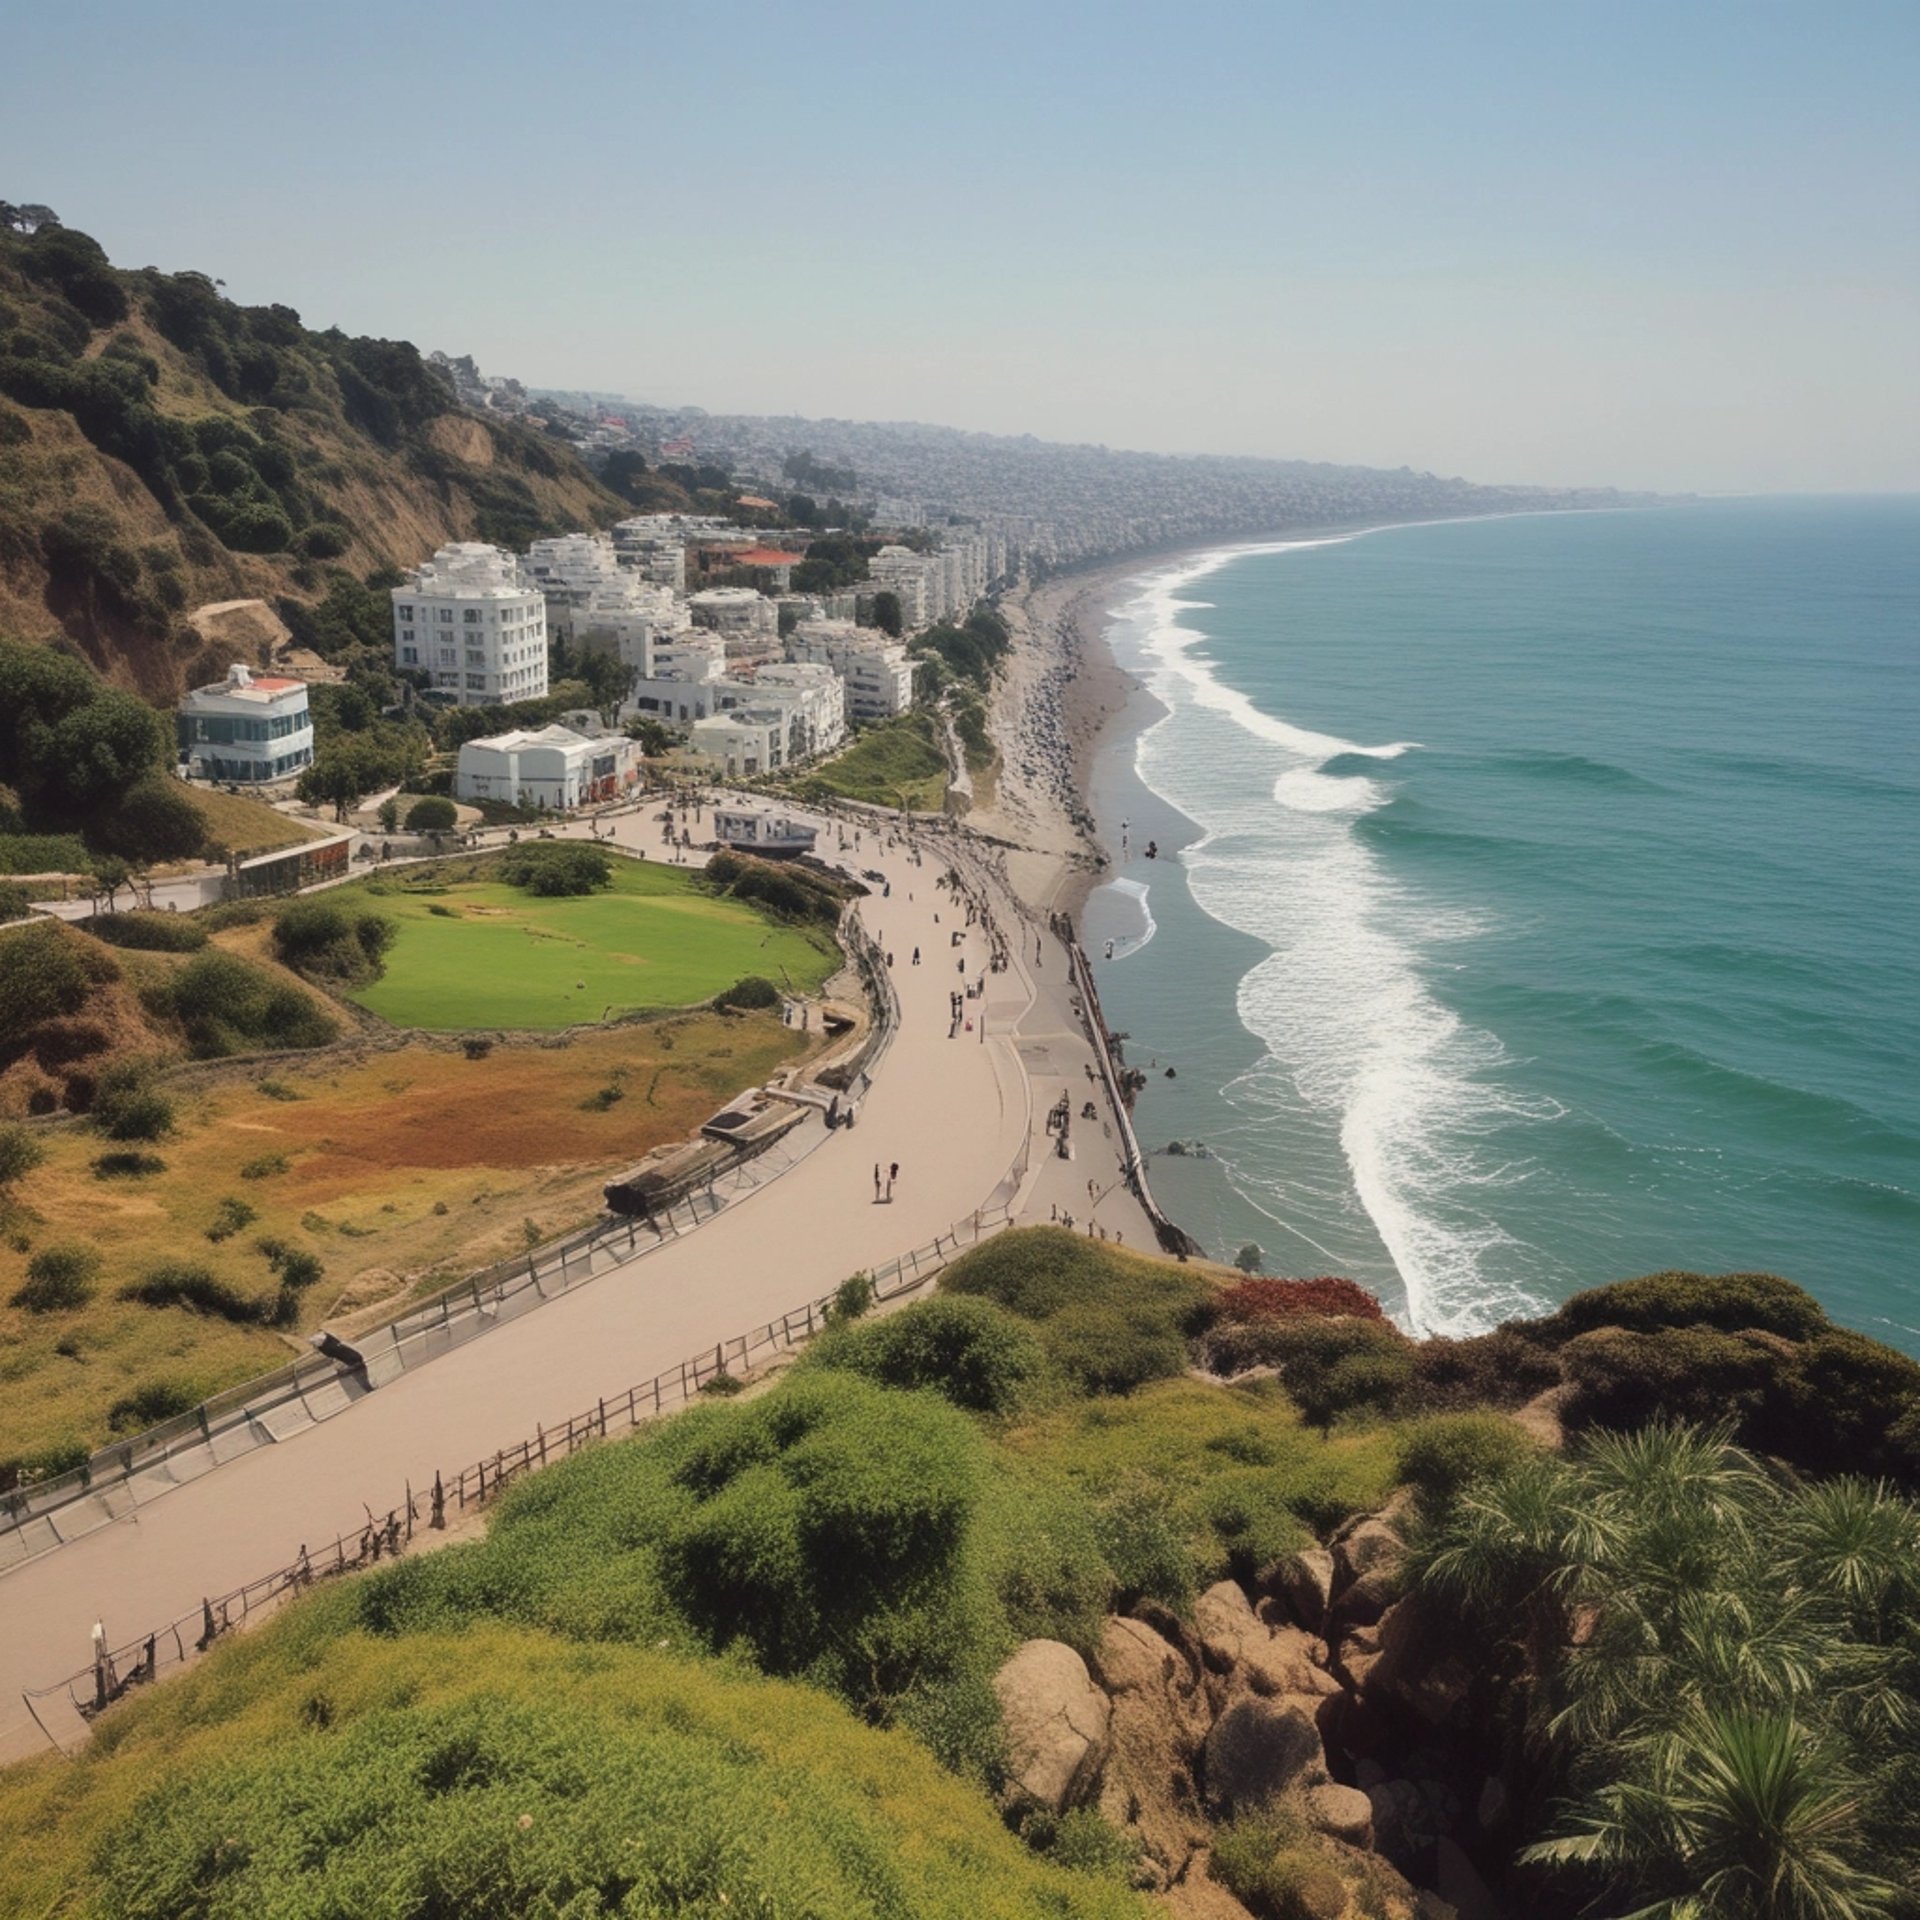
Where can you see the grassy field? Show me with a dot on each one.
(363, 1164)
(894, 764)
(483, 954)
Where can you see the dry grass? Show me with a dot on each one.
(405, 1168)
(246, 827)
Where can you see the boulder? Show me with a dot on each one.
(1056, 1723)
(1258, 1749)
(1235, 1642)
(1414, 1666)
(1303, 1584)
(1403, 1825)
(1160, 1717)
(1345, 1813)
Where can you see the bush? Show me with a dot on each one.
(296, 1267)
(20, 1152)
(1110, 1321)
(59, 1279)
(154, 932)
(1450, 1451)
(264, 1166)
(1504, 1368)
(45, 973)
(128, 1106)
(180, 1283)
(967, 1350)
(329, 940)
(152, 1402)
(154, 820)
(431, 815)
(852, 1298)
(753, 994)
(1261, 1299)
(227, 1006)
(555, 869)
(128, 1165)
(15, 902)
(795, 893)
(1731, 1302)
(229, 1217)
(1268, 1862)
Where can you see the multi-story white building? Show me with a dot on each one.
(594, 604)
(815, 700)
(876, 671)
(745, 742)
(904, 573)
(680, 688)
(474, 622)
(552, 767)
(748, 621)
(248, 728)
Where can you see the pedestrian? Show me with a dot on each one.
(916, 956)
(876, 1183)
(893, 1174)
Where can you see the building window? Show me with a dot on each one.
(410, 656)
(471, 615)
(406, 613)
(445, 616)
(406, 633)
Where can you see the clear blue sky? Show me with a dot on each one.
(1670, 245)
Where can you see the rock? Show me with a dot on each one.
(1160, 1717)
(1234, 1640)
(1414, 1667)
(1460, 1884)
(1344, 1812)
(1056, 1722)
(1371, 1542)
(1257, 1750)
(1403, 1825)
(1303, 1584)
(1494, 1803)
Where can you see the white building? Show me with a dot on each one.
(474, 622)
(876, 671)
(749, 622)
(747, 741)
(594, 604)
(552, 767)
(815, 699)
(905, 574)
(248, 728)
(680, 688)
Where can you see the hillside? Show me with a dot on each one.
(162, 446)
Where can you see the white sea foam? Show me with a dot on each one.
(1128, 944)
(1340, 1004)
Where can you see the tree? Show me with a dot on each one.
(654, 739)
(431, 815)
(1250, 1259)
(110, 874)
(388, 814)
(155, 819)
(886, 612)
(20, 1152)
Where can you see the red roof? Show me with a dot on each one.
(275, 682)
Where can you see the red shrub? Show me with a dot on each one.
(1280, 1299)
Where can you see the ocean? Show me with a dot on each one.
(1536, 903)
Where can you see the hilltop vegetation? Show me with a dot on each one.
(754, 1659)
(166, 446)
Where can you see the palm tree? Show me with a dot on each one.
(1742, 1817)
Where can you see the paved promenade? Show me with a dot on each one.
(952, 1111)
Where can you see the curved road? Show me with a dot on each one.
(952, 1111)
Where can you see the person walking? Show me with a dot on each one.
(916, 956)
(876, 1183)
(893, 1174)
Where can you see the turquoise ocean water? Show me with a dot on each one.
(1538, 903)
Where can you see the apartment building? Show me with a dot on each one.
(876, 671)
(247, 729)
(475, 624)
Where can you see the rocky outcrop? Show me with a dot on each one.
(1057, 1723)
(1269, 1660)
(1342, 1813)
(1367, 1554)
(1160, 1718)
(1302, 1584)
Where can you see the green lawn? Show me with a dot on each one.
(497, 956)
(893, 764)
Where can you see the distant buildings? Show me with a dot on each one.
(248, 729)
(475, 623)
(553, 767)
(749, 622)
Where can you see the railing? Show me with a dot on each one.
(272, 1407)
(69, 1706)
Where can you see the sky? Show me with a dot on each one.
(1672, 246)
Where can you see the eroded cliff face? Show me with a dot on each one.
(161, 447)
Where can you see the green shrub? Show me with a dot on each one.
(1083, 1841)
(226, 1006)
(152, 1402)
(155, 932)
(749, 995)
(59, 1279)
(852, 1298)
(181, 1283)
(229, 1217)
(329, 940)
(1447, 1452)
(431, 815)
(1270, 1864)
(128, 1106)
(264, 1166)
(299, 1269)
(1731, 1302)
(555, 869)
(20, 1152)
(1108, 1320)
(130, 1164)
(1504, 1368)
(45, 973)
(966, 1349)
(795, 893)
(15, 902)
(722, 1386)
